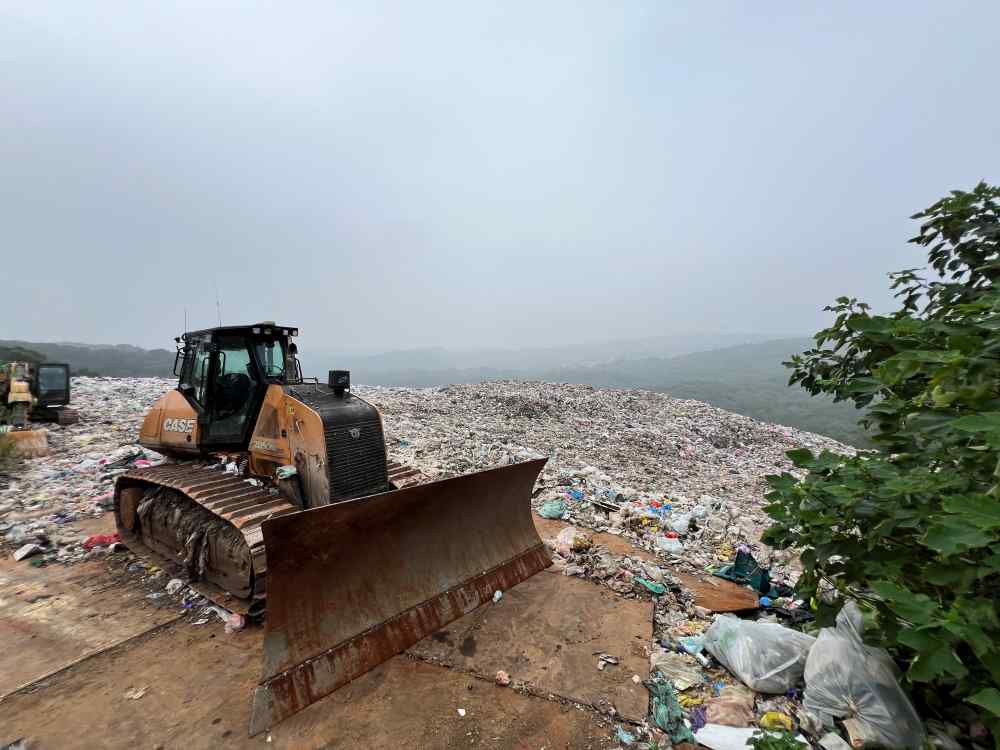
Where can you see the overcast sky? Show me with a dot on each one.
(464, 174)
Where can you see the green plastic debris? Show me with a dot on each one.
(552, 509)
(666, 712)
(746, 570)
(656, 588)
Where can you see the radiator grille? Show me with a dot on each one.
(356, 459)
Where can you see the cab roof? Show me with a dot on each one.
(253, 329)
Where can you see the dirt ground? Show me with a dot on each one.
(79, 638)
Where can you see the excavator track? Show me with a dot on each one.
(209, 521)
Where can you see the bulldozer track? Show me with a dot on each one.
(243, 502)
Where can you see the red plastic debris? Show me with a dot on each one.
(100, 540)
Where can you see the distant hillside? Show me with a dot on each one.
(745, 379)
(120, 361)
(498, 361)
(20, 354)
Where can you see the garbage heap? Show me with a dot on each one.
(42, 498)
(677, 485)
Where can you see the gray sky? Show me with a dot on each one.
(393, 176)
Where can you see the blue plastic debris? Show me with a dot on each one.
(626, 738)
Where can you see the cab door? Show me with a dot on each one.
(235, 392)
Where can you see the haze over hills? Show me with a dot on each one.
(746, 378)
(119, 361)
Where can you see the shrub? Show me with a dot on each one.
(913, 528)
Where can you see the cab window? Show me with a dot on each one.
(196, 373)
(235, 382)
(271, 356)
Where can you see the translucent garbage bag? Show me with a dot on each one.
(857, 683)
(767, 657)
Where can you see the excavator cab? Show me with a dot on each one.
(224, 374)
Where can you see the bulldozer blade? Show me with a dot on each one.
(353, 584)
(28, 443)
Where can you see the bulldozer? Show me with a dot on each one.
(280, 501)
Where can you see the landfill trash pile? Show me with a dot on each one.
(673, 476)
(679, 482)
(75, 481)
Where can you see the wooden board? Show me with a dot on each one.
(718, 594)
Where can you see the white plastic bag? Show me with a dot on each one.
(848, 680)
(572, 539)
(681, 523)
(767, 657)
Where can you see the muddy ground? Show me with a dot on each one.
(79, 639)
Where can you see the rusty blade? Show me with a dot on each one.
(351, 585)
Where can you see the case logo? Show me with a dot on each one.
(264, 445)
(178, 425)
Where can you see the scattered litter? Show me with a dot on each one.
(670, 545)
(286, 472)
(100, 540)
(848, 680)
(27, 551)
(572, 539)
(497, 596)
(769, 658)
(732, 707)
(676, 668)
(636, 679)
(642, 466)
(502, 678)
(461, 712)
(175, 585)
(135, 694)
(666, 711)
(718, 737)
(553, 509)
(776, 721)
(604, 660)
(626, 738)
(655, 588)
(833, 741)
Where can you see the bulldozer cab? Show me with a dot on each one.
(224, 374)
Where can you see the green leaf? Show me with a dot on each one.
(919, 609)
(919, 640)
(801, 457)
(988, 698)
(982, 510)
(936, 663)
(987, 421)
(952, 534)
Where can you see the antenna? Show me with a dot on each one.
(218, 304)
(185, 320)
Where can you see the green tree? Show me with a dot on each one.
(913, 528)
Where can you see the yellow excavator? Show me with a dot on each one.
(33, 392)
(279, 500)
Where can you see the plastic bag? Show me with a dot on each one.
(768, 658)
(846, 678)
(669, 545)
(681, 523)
(552, 509)
(572, 539)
